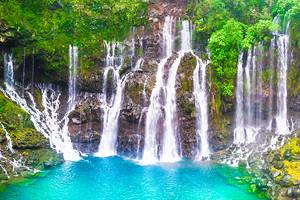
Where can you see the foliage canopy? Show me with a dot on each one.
(228, 27)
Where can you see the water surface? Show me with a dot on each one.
(118, 179)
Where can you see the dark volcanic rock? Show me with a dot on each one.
(85, 125)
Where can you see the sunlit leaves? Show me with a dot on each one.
(224, 46)
(50, 25)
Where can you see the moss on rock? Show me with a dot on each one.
(186, 70)
(290, 157)
(28, 138)
(29, 145)
(13, 115)
(41, 158)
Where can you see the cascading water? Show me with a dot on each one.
(13, 155)
(199, 92)
(8, 139)
(170, 149)
(282, 126)
(250, 132)
(239, 132)
(47, 121)
(138, 65)
(154, 114)
(249, 97)
(170, 146)
(199, 86)
(111, 107)
(73, 67)
(271, 80)
(8, 70)
(259, 99)
(144, 110)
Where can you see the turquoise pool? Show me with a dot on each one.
(118, 179)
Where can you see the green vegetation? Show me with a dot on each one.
(19, 125)
(29, 143)
(12, 115)
(224, 47)
(227, 27)
(50, 26)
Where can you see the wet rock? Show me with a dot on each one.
(28, 139)
(85, 125)
(30, 148)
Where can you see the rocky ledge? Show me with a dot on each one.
(23, 150)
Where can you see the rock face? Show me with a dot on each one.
(85, 124)
(186, 106)
(29, 150)
(281, 170)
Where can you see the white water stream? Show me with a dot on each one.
(46, 121)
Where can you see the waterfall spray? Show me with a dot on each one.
(150, 154)
(8, 139)
(73, 68)
(239, 132)
(199, 85)
(282, 126)
(111, 107)
(271, 92)
(46, 121)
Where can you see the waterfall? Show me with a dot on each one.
(145, 99)
(154, 114)
(271, 93)
(15, 164)
(248, 106)
(248, 117)
(111, 108)
(3, 169)
(253, 88)
(199, 87)
(239, 132)
(8, 70)
(167, 90)
(251, 100)
(259, 117)
(170, 147)
(46, 121)
(199, 92)
(281, 41)
(8, 139)
(186, 37)
(138, 65)
(139, 131)
(247, 98)
(73, 67)
(282, 126)
(144, 110)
